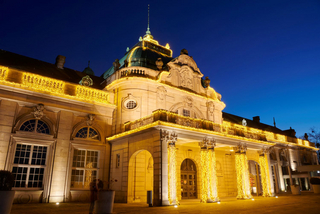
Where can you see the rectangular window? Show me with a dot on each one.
(27, 169)
(84, 168)
(186, 113)
(118, 161)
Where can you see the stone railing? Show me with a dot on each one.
(50, 86)
(3, 72)
(225, 128)
(41, 83)
(132, 72)
(87, 93)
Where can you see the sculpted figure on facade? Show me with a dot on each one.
(116, 65)
(90, 118)
(159, 64)
(38, 111)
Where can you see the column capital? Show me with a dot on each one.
(241, 148)
(207, 143)
(265, 150)
(169, 137)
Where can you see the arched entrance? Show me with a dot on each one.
(140, 176)
(188, 179)
(255, 178)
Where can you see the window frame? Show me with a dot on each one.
(35, 139)
(29, 166)
(84, 169)
(35, 126)
(88, 133)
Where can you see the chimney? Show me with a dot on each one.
(60, 60)
(256, 119)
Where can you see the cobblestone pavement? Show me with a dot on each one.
(307, 203)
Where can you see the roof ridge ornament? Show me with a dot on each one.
(148, 28)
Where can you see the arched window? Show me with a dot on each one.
(35, 125)
(88, 132)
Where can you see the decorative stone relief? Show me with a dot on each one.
(86, 81)
(186, 78)
(185, 73)
(161, 92)
(188, 101)
(210, 107)
(38, 111)
(90, 118)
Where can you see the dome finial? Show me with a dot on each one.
(88, 63)
(148, 28)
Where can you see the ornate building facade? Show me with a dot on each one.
(151, 122)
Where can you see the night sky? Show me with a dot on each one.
(262, 56)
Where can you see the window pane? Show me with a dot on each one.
(28, 126)
(186, 113)
(20, 175)
(82, 133)
(90, 176)
(93, 134)
(92, 159)
(77, 178)
(36, 177)
(39, 155)
(78, 158)
(42, 127)
(22, 154)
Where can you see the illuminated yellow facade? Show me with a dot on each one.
(153, 124)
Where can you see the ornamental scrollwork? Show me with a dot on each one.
(169, 137)
(38, 111)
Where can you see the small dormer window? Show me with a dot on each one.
(186, 113)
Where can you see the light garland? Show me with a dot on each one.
(213, 181)
(265, 176)
(204, 175)
(172, 175)
(3, 72)
(243, 183)
(209, 182)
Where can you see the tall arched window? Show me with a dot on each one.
(35, 125)
(88, 132)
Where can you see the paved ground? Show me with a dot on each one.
(307, 203)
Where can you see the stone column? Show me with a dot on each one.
(282, 187)
(243, 183)
(169, 171)
(57, 192)
(7, 117)
(209, 192)
(265, 174)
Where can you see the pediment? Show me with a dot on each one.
(184, 60)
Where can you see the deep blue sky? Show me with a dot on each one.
(262, 56)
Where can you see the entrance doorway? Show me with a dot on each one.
(140, 178)
(255, 178)
(188, 179)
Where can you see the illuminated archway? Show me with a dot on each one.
(188, 173)
(255, 177)
(140, 176)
